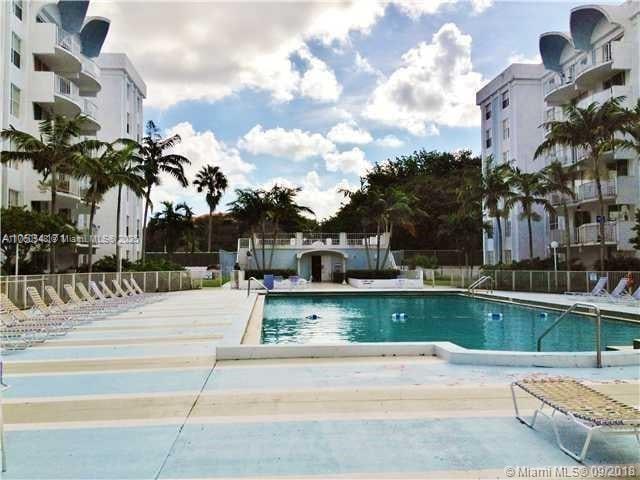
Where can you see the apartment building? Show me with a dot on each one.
(121, 105)
(51, 64)
(512, 111)
(598, 58)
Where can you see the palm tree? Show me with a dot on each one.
(282, 206)
(126, 170)
(593, 130)
(92, 162)
(50, 153)
(156, 161)
(172, 221)
(632, 129)
(529, 192)
(558, 179)
(400, 209)
(215, 183)
(496, 191)
(251, 209)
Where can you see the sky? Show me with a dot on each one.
(312, 94)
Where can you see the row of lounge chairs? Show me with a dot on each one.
(619, 294)
(20, 329)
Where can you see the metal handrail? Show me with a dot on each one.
(258, 282)
(598, 328)
(479, 282)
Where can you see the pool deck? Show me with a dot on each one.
(140, 395)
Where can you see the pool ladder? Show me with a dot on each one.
(479, 282)
(598, 328)
(258, 282)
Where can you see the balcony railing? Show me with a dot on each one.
(309, 240)
(589, 233)
(589, 191)
(64, 86)
(89, 108)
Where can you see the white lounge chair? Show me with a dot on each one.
(60, 320)
(589, 409)
(598, 290)
(618, 292)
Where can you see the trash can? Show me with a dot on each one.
(268, 281)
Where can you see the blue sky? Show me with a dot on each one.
(312, 94)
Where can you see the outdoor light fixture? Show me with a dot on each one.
(554, 245)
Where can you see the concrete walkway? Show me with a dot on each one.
(139, 396)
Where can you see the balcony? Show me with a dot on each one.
(57, 49)
(588, 192)
(89, 78)
(609, 93)
(560, 90)
(56, 93)
(90, 111)
(602, 63)
(589, 234)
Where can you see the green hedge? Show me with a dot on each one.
(373, 274)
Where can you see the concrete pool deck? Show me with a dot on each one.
(126, 408)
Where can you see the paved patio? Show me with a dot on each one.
(140, 396)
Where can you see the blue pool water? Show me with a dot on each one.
(469, 322)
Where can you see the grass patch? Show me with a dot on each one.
(211, 283)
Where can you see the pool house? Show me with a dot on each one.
(319, 257)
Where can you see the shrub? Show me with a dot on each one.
(533, 264)
(259, 274)
(619, 263)
(424, 261)
(372, 274)
(106, 264)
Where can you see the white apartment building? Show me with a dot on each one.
(51, 64)
(597, 59)
(121, 105)
(512, 111)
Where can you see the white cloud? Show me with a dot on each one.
(349, 161)
(201, 148)
(319, 81)
(363, 65)
(294, 144)
(480, 6)
(521, 58)
(323, 201)
(414, 9)
(389, 141)
(349, 132)
(435, 85)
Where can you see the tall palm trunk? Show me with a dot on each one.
(118, 252)
(147, 200)
(366, 249)
(252, 243)
(92, 214)
(601, 223)
(53, 209)
(378, 247)
(210, 229)
(388, 249)
(499, 239)
(263, 235)
(276, 231)
(530, 235)
(567, 230)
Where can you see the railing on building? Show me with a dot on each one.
(16, 286)
(89, 108)
(586, 234)
(314, 240)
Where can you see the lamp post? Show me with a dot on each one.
(554, 245)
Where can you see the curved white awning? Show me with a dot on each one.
(321, 251)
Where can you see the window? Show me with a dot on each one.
(553, 221)
(606, 52)
(489, 258)
(505, 156)
(505, 129)
(507, 227)
(619, 212)
(14, 198)
(14, 108)
(488, 136)
(617, 79)
(17, 9)
(127, 228)
(128, 122)
(622, 168)
(505, 99)
(507, 257)
(487, 111)
(39, 65)
(38, 112)
(138, 228)
(16, 50)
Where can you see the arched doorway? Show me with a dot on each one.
(319, 265)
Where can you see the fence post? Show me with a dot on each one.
(568, 280)
(531, 280)
(170, 281)
(24, 291)
(586, 278)
(548, 282)
(144, 282)
(157, 281)
(179, 280)
(513, 280)
(42, 286)
(73, 281)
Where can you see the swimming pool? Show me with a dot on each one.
(469, 322)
